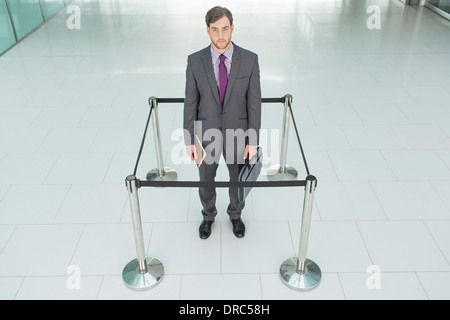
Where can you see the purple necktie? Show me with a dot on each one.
(223, 80)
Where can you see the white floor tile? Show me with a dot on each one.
(113, 288)
(410, 201)
(394, 78)
(402, 246)
(105, 117)
(40, 250)
(13, 98)
(26, 168)
(373, 114)
(10, 286)
(3, 190)
(435, 284)
(123, 165)
(45, 81)
(136, 100)
(105, 249)
(87, 97)
(57, 118)
(423, 114)
(6, 233)
(250, 254)
(360, 166)
(334, 246)
(41, 207)
(59, 288)
(186, 253)
(68, 140)
(75, 81)
(51, 98)
(382, 286)
(442, 188)
(440, 233)
(279, 204)
(422, 137)
(334, 115)
(372, 138)
(17, 117)
(381, 114)
(348, 201)
(365, 95)
(426, 94)
(329, 288)
(320, 165)
(416, 165)
(446, 129)
(22, 140)
(117, 140)
(79, 168)
(221, 287)
(322, 138)
(161, 204)
(93, 204)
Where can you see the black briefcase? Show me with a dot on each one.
(250, 172)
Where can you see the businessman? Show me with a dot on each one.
(223, 95)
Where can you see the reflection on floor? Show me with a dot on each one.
(373, 111)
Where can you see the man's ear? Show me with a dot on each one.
(207, 30)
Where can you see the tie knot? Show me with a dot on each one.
(222, 58)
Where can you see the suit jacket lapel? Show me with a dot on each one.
(233, 73)
(207, 63)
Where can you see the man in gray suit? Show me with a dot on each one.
(223, 108)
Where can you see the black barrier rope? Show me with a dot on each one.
(299, 142)
(143, 140)
(181, 100)
(298, 273)
(220, 184)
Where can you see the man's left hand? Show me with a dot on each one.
(250, 151)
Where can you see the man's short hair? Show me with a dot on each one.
(216, 13)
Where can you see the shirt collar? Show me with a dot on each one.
(229, 53)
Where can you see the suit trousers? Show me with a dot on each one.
(233, 153)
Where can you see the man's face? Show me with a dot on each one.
(220, 34)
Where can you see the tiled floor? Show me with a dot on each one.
(373, 111)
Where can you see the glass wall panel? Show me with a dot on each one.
(441, 4)
(50, 7)
(7, 38)
(26, 15)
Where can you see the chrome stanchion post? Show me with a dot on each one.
(161, 173)
(299, 273)
(143, 272)
(282, 171)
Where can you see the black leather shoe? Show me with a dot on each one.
(205, 229)
(238, 227)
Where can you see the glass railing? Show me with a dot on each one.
(51, 7)
(440, 6)
(7, 38)
(18, 18)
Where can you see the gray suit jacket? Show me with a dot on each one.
(242, 105)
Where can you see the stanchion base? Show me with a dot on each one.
(305, 281)
(169, 175)
(136, 280)
(274, 173)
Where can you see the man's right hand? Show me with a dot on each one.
(191, 151)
